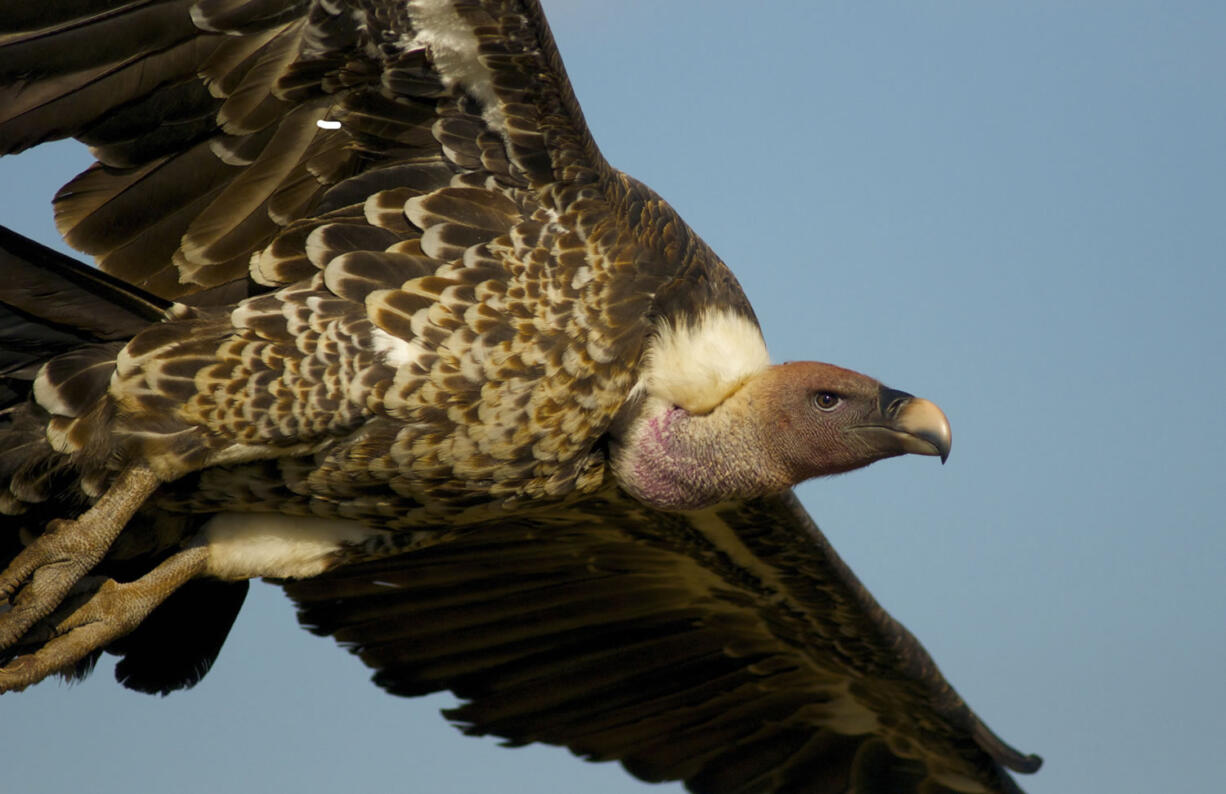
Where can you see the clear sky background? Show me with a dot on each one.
(1017, 210)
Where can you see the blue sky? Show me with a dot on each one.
(1017, 210)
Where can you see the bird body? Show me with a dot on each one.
(382, 324)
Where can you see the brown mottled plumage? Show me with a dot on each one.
(378, 316)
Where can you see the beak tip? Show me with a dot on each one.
(926, 423)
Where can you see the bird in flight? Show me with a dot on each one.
(374, 318)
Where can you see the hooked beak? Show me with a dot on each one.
(911, 424)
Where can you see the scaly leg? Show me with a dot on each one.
(113, 611)
(45, 571)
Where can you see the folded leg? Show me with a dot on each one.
(41, 576)
(115, 609)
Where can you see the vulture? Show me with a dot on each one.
(373, 318)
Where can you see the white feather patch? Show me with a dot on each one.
(697, 366)
(396, 352)
(453, 48)
(248, 545)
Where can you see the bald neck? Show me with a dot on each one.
(783, 425)
(676, 460)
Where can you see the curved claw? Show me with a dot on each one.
(112, 611)
(41, 576)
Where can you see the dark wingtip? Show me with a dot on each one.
(1028, 764)
(1005, 754)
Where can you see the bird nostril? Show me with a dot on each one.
(891, 401)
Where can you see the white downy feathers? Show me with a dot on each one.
(247, 545)
(453, 48)
(698, 365)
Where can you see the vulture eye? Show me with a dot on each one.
(826, 400)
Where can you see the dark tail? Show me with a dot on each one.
(53, 307)
(59, 312)
(51, 303)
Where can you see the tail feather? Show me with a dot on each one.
(54, 308)
(177, 644)
(51, 303)
(62, 323)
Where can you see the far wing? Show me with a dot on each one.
(412, 188)
(219, 125)
(729, 648)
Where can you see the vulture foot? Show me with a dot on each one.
(113, 610)
(43, 574)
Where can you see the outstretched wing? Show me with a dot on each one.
(219, 125)
(451, 249)
(730, 648)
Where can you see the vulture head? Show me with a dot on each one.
(700, 435)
